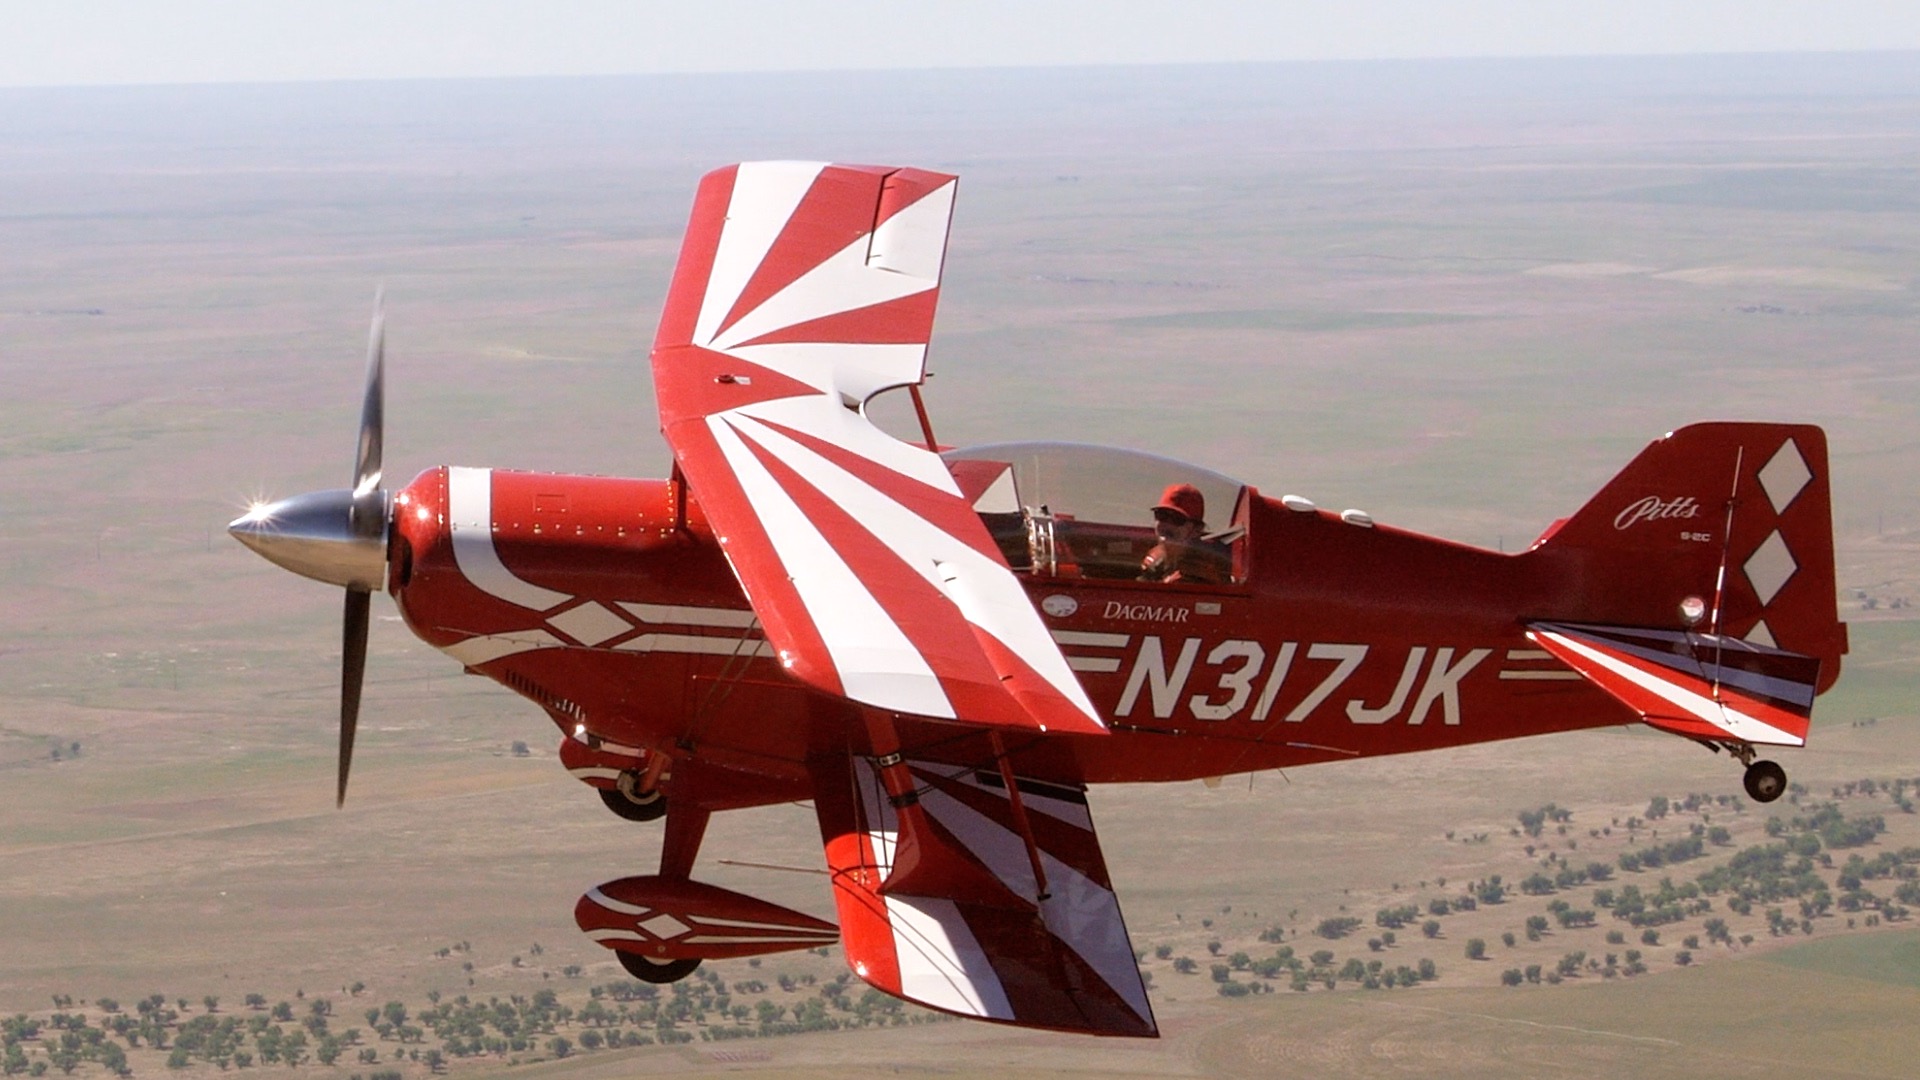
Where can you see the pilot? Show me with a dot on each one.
(1182, 551)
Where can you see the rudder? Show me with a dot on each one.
(1739, 515)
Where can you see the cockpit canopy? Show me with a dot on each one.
(1074, 510)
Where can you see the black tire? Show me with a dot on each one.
(1765, 781)
(655, 971)
(652, 808)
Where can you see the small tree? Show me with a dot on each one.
(1476, 949)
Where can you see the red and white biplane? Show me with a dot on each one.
(942, 649)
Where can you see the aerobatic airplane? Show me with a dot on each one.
(942, 648)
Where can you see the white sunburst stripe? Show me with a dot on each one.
(1079, 911)
(844, 282)
(941, 961)
(849, 431)
(883, 825)
(847, 370)
(913, 241)
(765, 195)
(1729, 719)
(984, 591)
(876, 662)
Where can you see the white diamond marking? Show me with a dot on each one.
(1785, 477)
(590, 624)
(664, 926)
(1760, 635)
(1769, 567)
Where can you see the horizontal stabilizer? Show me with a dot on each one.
(1703, 686)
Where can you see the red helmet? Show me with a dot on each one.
(1185, 500)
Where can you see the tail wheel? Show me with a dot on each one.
(1765, 781)
(627, 800)
(655, 971)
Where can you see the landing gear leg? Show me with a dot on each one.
(1765, 781)
(686, 826)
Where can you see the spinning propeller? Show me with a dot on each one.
(339, 537)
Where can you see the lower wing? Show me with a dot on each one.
(958, 894)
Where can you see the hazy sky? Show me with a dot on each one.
(62, 42)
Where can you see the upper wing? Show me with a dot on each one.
(939, 903)
(803, 290)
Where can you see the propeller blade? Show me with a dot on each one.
(353, 668)
(367, 519)
(366, 463)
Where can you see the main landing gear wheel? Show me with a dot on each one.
(626, 800)
(1765, 781)
(650, 807)
(655, 971)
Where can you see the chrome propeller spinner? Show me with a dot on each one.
(339, 537)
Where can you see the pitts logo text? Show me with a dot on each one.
(1654, 508)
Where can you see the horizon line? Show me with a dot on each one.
(983, 67)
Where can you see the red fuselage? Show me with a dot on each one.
(618, 614)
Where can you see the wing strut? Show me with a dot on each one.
(926, 426)
(1018, 809)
